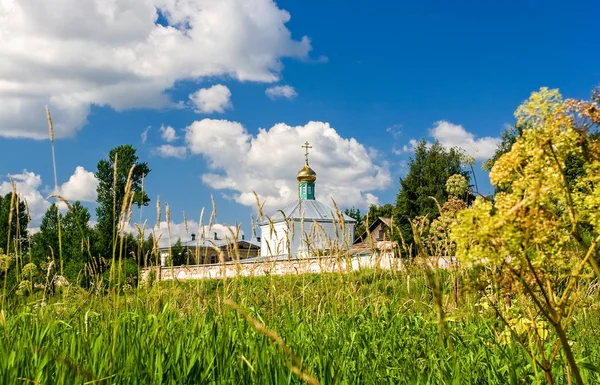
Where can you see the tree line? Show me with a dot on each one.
(82, 251)
(421, 190)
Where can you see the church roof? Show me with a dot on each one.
(311, 210)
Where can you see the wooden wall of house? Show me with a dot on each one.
(379, 233)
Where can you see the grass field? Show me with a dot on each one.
(367, 327)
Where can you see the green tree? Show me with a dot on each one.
(147, 255)
(375, 211)
(178, 255)
(18, 234)
(77, 238)
(111, 192)
(44, 243)
(429, 170)
(355, 213)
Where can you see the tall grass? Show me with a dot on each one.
(370, 326)
(362, 328)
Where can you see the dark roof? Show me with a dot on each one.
(374, 224)
(219, 243)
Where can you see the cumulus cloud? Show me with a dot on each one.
(210, 100)
(81, 186)
(170, 151)
(267, 162)
(28, 185)
(126, 53)
(168, 134)
(275, 92)
(454, 135)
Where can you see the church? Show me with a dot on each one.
(307, 227)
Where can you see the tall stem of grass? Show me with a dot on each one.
(51, 132)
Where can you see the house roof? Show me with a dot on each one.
(309, 210)
(219, 243)
(374, 224)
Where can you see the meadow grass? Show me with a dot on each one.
(371, 326)
(365, 327)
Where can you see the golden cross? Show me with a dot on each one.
(306, 147)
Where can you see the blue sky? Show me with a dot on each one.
(372, 76)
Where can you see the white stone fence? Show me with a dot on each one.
(274, 267)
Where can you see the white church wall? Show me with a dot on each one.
(274, 241)
(304, 238)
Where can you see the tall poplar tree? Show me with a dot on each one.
(111, 192)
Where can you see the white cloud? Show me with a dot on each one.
(118, 55)
(81, 186)
(28, 185)
(169, 151)
(145, 134)
(213, 99)
(407, 148)
(453, 135)
(168, 133)
(275, 92)
(394, 130)
(268, 162)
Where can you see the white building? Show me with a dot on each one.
(306, 227)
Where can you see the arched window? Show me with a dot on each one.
(309, 190)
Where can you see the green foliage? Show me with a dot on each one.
(76, 237)
(355, 213)
(18, 234)
(541, 233)
(384, 211)
(177, 254)
(365, 220)
(147, 255)
(429, 170)
(111, 192)
(44, 244)
(368, 327)
(130, 272)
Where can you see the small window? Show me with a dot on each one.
(213, 259)
(381, 235)
(309, 189)
(304, 189)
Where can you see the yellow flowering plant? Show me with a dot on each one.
(540, 237)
